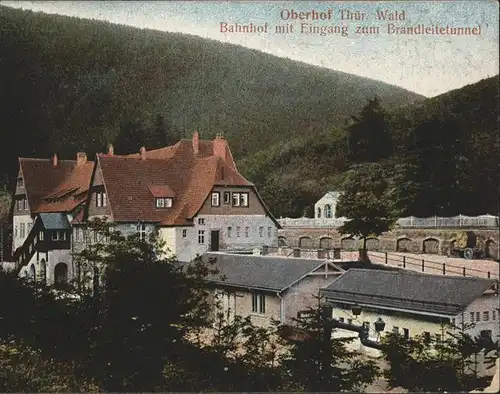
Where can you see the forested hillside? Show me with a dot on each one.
(69, 84)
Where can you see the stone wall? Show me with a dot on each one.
(429, 241)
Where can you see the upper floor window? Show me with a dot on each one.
(240, 199)
(101, 199)
(478, 316)
(201, 236)
(229, 232)
(22, 204)
(493, 314)
(201, 221)
(215, 199)
(247, 232)
(258, 303)
(227, 197)
(486, 316)
(141, 229)
(406, 333)
(237, 232)
(22, 228)
(472, 317)
(41, 235)
(16, 232)
(164, 202)
(319, 213)
(261, 231)
(20, 182)
(328, 211)
(184, 233)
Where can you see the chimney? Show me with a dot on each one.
(142, 153)
(54, 160)
(81, 158)
(111, 150)
(196, 143)
(219, 146)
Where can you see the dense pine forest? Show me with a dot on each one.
(69, 85)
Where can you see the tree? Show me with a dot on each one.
(436, 363)
(147, 306)
(131, 138)
(318, 362)
(368, 136)
(366, 201)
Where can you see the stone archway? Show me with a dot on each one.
(430, 246)
(305, 243)
(348, 243)
(282, 242)
(326, 243)
(372, 244)
(32, 274)
(60, 274)
(403, 244)
(491, 249)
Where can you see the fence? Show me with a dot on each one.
(460, 221)
(430, 267)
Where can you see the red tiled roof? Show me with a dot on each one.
(161, 191)
(55, 188)
(130, 181)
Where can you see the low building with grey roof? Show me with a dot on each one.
(268, 288)
(413, 303)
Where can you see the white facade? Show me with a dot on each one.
(235, 232)
(414, 323)
(325, 207)
(22, 227)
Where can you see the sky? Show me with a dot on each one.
(427, 64)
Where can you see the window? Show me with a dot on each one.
(22, 204)
(227, 198)
(258, 303)
(201, 221)
(25, 204)
(229, 231)
(101, 199)
(269, 231)
(163, 202)
(478, 316)
(141, 229)
(319, 213)
(247, 232)
(486, 316)
(472, 317)
(427, 336)
(328, 211)
(244, 199)
(184, 233)
(55, 236)
(201, 236)
(261, 231)
(341, 319)
(22, 232)
(494, 315)
(349, 321)
(63, 235)
(406, 333)
(236, 199)
(215, 199)
(485, 334)
(395, 330)
(20, 182)
(16, 231)
(237, 232)
(366, 326)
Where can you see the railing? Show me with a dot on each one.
(460, 221)
(427, 266)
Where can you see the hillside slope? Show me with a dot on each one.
(69, 84)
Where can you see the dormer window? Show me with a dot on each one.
(215, 199)
(22, 204)
(20, 182)
(227, 198)
(164, 202)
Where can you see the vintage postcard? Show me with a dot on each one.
(249, 196)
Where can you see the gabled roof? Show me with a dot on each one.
(408, 290)
(133, 181)
(58, 188)
(272, 273)
(55, 221)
